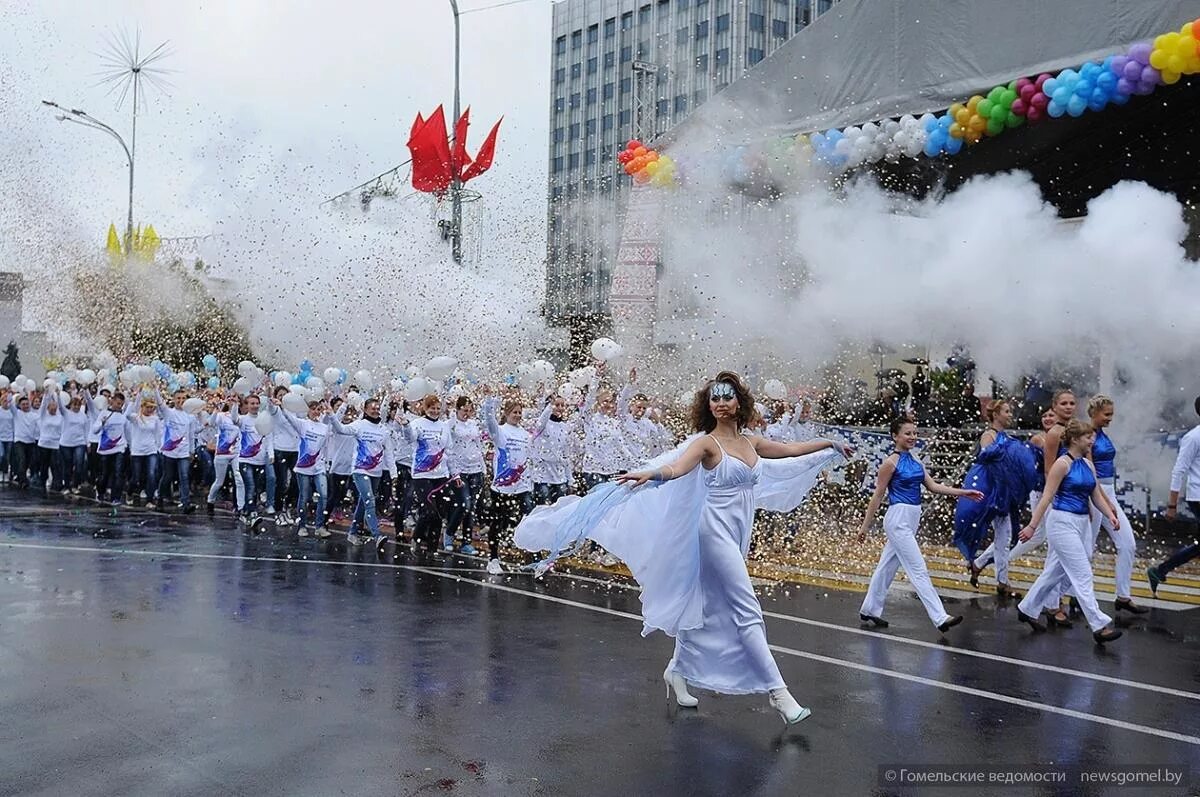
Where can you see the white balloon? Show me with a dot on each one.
(246, 368)
(102, 375)
(263, 423)
(193, 405)
(85, 377)
(70, 373)
(527, 377)
(299, 390)
(418, 388)
(582, 377)
(331, 375)
(3, 382)
(242, 386)
(440, 368)
(605, 349)
(775, 389)
(363, 380)
(544, 369)
(397, 385)
(295, 403)
(412, 371)
(281, 379)
(101, 403)
(457, 390)
(315, 384)
(907, 120)
(146, 373)
(50, 385)
(852, 133)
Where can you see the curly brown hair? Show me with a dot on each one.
(702, 418)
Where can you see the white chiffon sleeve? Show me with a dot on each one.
(784, 483)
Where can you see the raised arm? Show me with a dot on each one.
(543, 418)
(882, 479)
(772, 449)
(488, 411)
(335, 422)
(159, 404)
(701, 449)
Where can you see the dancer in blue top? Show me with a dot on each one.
(901, 477)
(1104, 456)
(1071, 488)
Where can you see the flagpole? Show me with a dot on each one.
(456, 184)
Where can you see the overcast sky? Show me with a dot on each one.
(336, 84)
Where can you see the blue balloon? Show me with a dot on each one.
(299, 379)
(1084, 88)
(954, 145)
(834, 135)
(944, 122)
(1076, 106)
(1107, 81)
(930, 124)
(817, 141)
(1097, 105)
(210, 363)
(1061, 95)
(1118, 98)
(213, 383)
(931, 148)
(1050, 86)
(1055, 108)
(342, 376)
(306, 367)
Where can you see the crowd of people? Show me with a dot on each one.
(446, 466)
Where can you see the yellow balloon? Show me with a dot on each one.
(955, 130)
(973, 103)
(1186, 30)
(1169, 77)
(1158, 59)
(652, 167)
(972, 136)
(1185, 47)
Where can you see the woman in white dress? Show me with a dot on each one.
(685, 539)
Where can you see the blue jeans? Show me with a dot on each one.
(462, 511)
(544, 493)
(307, 483)
(254, 476)
(5, 450)
(590, 480)
(204, 464)
(73, 465)
(112, 476)
(1185, 554)
(364, 511)
(143, 475)
(172, 469)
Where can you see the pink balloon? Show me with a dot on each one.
(1039, 101)
(1019, 107)
(1035, 114)
(1042, 78)
(1027, 91)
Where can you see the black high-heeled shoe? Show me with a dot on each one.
(1060, 622)
(953, 621)
(1106, 635)
(974, 571)
(1037, 625)
(877, 622)
(1127, 605)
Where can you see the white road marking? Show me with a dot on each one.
(966, 690)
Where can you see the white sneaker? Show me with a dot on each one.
(357, 539)
(608, 560)
(322, 532)
(495, 568)
(301, 531)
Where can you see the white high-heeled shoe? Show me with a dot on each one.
(792, 712)
(675, 681)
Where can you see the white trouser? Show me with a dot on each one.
(1067, 560)
(222, 466)
(900, 524)
(1122, 538)
(1018, 550)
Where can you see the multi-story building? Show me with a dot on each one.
(625, 69)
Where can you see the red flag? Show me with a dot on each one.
(430, 153)
(418, 123)
(483, 161)
(459, 159)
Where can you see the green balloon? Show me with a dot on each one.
(984, 108)
(994, 94)
(999, 112)
(994, 126)
(1012, 86)
(1013, 120)
(1008, 98)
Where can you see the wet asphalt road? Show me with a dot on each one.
(174, 655)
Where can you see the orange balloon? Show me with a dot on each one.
(652, 155)
(642, 178)
(640, 151)
(630, 168)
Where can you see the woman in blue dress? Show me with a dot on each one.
(1071, 491)
(684, 531)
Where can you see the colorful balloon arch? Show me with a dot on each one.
(1093, 86)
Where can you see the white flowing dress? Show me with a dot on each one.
(685, 541)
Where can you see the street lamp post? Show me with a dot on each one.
(79, 117)
(456, 184)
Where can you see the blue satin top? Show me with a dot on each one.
(905, 486)
(1104, 456)
(1039, 465)
(1075, 492)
